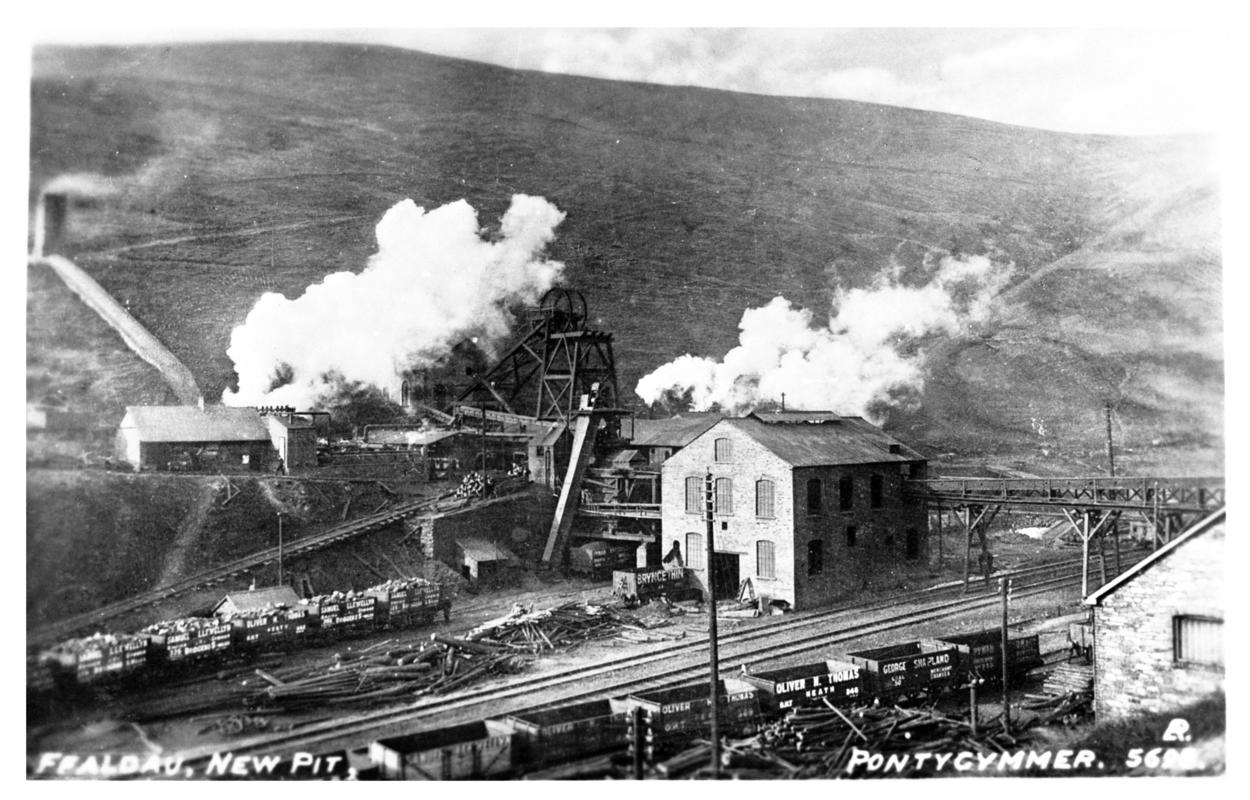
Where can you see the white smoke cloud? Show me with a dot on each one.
(433, 281)
(867, 355)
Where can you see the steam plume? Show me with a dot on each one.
(433, 282)
(864, 360)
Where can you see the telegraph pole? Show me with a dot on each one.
(1005, 585)
(279, 548)
(709, 497)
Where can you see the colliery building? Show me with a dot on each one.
(1159, 627)
(194, 438)
(808, 506)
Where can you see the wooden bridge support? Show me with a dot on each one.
(1089, 524)
(975, 520)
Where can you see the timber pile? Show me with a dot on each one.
(1069, 678)
(438, 666)
(475, 484)
(563, 626)
(1068, 709)
(818, 743)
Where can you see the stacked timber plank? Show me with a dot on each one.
(1070, 678)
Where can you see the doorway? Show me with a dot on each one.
(724, 575)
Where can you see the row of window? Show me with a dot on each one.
(765, 493)
(766, 554)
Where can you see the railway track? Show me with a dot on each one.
(680, 662)
(61, 629)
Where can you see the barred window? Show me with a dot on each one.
(1198, 640)
(724, 496)
(815, 557)
(846, 492)
(695, 557)
(723, 450)
(876, 490)
(764, 498)
(694, 495)
(765, 560)
(813, 496)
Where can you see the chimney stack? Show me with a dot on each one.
(50, 222)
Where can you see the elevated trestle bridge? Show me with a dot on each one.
(1093, 507)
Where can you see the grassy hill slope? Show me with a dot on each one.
(251, 167)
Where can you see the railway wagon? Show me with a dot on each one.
(471, 751)
(101, 657)
(404, 603)
(273, 627)
(645, 583)
(599, 559)
(675, 715)
(189, 639)
(568, 733)
(839, 682)
(341, 614)
(906, 669)
(982, 653)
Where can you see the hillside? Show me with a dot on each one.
(243, 168)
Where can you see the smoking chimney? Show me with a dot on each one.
(49, 222)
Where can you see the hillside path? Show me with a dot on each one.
(188, 532)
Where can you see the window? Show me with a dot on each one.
(913, 544)
(694, 495)
(846, 493)
(765, 560)
(851, 532)
(695, 557)
(815, 557)
(724, 496)
(722, 450)
(876, 488)
(764, 498)
(1198, 640)
(813, 496)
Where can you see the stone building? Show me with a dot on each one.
(208, 438)
(1159, 626)
(808, 506)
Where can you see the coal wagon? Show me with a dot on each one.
(839, 682)
(980, 655)
(907, 670)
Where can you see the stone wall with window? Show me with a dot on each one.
(744, 518)
(861, 537)
(1158, 638)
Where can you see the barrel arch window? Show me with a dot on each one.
(765, 559)
(695, 557)
(765, 498)
(724, 496)
(723, 450)
(694, 495)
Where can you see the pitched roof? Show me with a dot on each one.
(194, 424)
(484, 549)
(672, 432)
(1212, 522)
(259, 598)
(802, 441)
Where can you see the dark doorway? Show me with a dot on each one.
(913, 544)
(724, 575)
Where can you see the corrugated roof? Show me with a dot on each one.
(484, 549)
(259, 598)
(842, 440)
(672, 432)
(1213, 522)
(194, 424)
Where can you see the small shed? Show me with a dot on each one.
(255, 600)
(216, 438)
(482, 558)
(1159, 627)
(294, 438)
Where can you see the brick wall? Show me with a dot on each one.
(879, 552)
(1134, 666)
